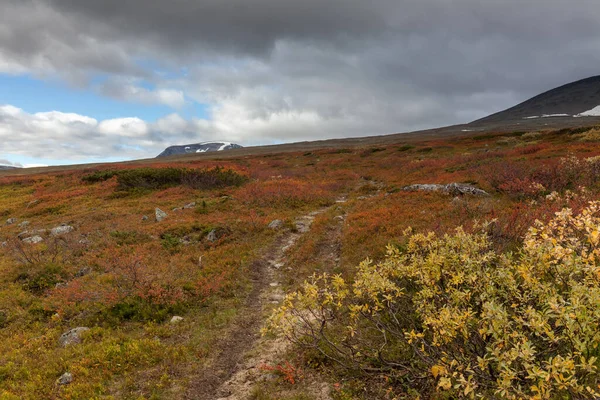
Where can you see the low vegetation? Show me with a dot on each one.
(449, 316)
(503, 307)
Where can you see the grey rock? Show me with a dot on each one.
(32, 203)
(454, 189)
(72, 337)
(176, 319)
(176, 209)
(160, 214)
(23, 224)
(145, 218)
(60, 285)
(61, 230)
(4, 244)
(11, 221)
(33, 239)
(83, 272)
(65, 379)
(212, 236)
(275, 224)
(190, 205)
(276, 297)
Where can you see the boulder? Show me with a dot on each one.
(176, 319)
(160, 214)
(61, 230)
(454, 189)
(65, 379)
(33, 239)
(23, 224)
(11, 221)
(190, 205)
(83, 272)
(212, 236)
(72, 337)
(276, 224)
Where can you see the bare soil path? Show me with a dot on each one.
(234, 370)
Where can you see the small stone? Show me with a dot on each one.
(33, 239)
(160, 214)
(11, 221)
(190, 205)
(145, 218)
(4, 244)
(176, 319)
(176, 209)
(212, 236)
(72, 337)
(61, 230)
(23, 224)
(276, 297)
(273, 284)
(83, 272)
(275, 224)
(61, 285)
(65, 378)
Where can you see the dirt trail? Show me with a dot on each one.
(235, 369)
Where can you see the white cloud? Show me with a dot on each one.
(129, 90)
(124, 127)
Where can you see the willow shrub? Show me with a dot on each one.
(448, 315)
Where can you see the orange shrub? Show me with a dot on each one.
(283, 193)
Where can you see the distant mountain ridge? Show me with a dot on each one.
(5, 167)
(573, 100)
(203, 147)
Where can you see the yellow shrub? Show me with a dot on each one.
(448, 314)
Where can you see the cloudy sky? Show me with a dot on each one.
(90, 80)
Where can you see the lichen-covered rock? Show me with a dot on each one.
(275, 224)
(454, 189)
(190, 205)
(212, 236)
(65, 379)
(33, 239)
(61, 230)
(160, 214)
(72, 337)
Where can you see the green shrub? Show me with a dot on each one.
(449, 315)
(99, 176)
(161, 178)
(39, 278)
(406, 147)
(129, 237)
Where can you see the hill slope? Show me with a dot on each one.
(566, 101)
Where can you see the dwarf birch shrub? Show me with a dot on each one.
(448, 315)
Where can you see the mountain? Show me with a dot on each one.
(198, 148)
(573, 100)
(6, 167)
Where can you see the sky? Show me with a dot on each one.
(87, 80)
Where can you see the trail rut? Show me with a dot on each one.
(234, 369)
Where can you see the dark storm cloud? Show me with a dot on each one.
(277, 70)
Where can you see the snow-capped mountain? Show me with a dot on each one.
(199, 148)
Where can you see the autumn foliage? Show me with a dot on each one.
(451, 315)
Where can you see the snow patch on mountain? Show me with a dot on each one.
(594, 112)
